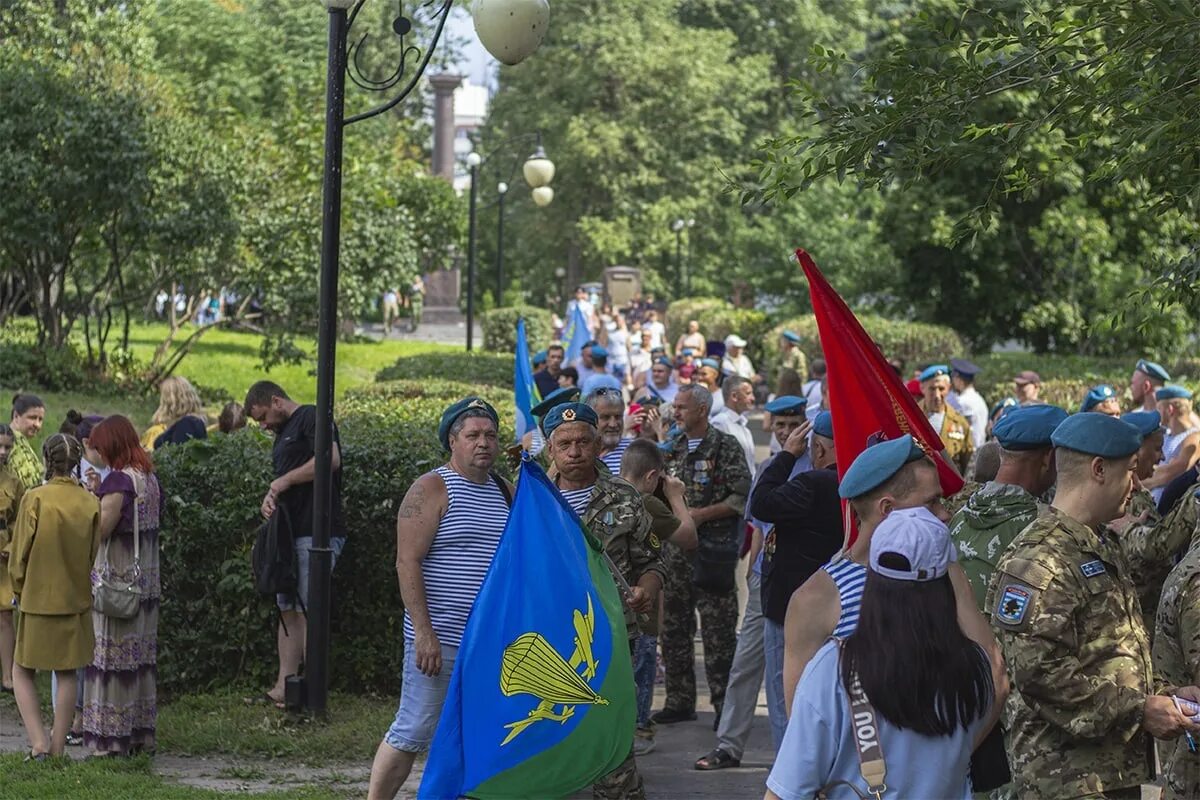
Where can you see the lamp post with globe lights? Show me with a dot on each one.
(511, 30)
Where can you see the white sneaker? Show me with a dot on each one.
(643, 745)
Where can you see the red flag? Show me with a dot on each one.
(866, 398)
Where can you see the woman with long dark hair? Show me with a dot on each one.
(906, 689)
(120, 705)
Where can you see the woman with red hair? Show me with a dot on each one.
(120, 706)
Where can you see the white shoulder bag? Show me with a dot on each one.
(113, 596)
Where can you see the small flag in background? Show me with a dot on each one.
(524, 388)
(866, 396)
(541, 702)
(576, 336)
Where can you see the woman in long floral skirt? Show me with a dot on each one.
(120, 702)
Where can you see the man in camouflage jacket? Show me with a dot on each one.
(716, 478)
(1067, 616)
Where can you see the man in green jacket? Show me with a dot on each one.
(984, 528)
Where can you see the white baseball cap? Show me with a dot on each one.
(920, 537)
(733, 340)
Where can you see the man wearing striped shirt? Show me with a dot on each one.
(447, 532)
(609, 405)
(885, 477)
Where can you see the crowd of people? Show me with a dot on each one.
(1040, 625)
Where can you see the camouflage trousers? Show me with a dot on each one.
(718, 621)
(624, 782)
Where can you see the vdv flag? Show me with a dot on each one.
(541, 701)
(576, 335)
(524, 388)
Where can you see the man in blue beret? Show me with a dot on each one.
(447, 531)
(661, 386)
(1148, 377)
(1101, 399)
(966, 400)
(983, 529)
(1181, 445)
(612, 509)
(708, 375)
(585, 365)
(547, 377)
(1065, 608)
(890, 477)
(791, 357)
(951, 426)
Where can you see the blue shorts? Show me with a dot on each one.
(421, 700)
(287, 602)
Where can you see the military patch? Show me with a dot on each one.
(1014, 602)
(654, 542)
(1092, 568)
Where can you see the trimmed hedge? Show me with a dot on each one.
(500, 328)
(492, 369)
(916, 343)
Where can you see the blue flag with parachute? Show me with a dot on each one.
(576, 335)
(541, 702)
(525, 391)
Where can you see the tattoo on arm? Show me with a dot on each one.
(413, 503)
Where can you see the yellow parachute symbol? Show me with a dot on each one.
(530, 665)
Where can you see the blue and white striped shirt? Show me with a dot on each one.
(849, 577)
(578, 499)
(460, 555)
(612, 460)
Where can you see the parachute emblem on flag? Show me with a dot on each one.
(531, 665)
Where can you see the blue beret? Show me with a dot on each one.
(555, 398)
(457, 410)
(1147, 422)
(1028, 427)
(569, 412)
(1007, 404)
(934, 371)
(540, 357)
(687, 351)
(1095, 396)
(599, 352)
(1098, 435)
(590, 343)
(823, 424)
(1153, 370)
(712, 363)
(1173, 392)
(964, 367)
(786, 405)
(666, 362)
(878, 463)
(792, 337)
(600, 380)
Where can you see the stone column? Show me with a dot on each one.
(443, 123)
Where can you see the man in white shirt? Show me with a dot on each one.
(966, 400)
(736, 362)
(589, 311)
(739, 398)
(658, 331)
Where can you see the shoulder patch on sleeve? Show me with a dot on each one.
(1013, 605)
(1033, 573)
(1091, 569)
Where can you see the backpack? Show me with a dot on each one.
(273, 558)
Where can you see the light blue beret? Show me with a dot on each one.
(555, 398)
(599, 352)
(1153, 370)
(1147, 422)
(568, 412)
(933, 371)
(540, 357)
(1028, 427)
(711, 363)
(787, 405)
(823, 424)
(1098, 435)
(687, 351)
(877, 464)
(1095, 396)
(792, 337)
(1173, 392)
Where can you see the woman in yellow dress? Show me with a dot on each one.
(10, 497)
(28, 414)
(55, 541)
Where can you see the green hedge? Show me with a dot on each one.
(916, 343)
(500, 328)
(492, 369)
(717, 320)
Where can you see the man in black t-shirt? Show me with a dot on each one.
(294, 460)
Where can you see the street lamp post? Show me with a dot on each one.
(501, 191)
(516, 29)
(683, 281)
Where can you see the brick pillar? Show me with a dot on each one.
(443, 123)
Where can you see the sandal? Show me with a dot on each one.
(264, 699)
(36, 756)
(717, 759)
(74, 738)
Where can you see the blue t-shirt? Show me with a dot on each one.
(819, 746)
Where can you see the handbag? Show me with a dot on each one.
(866, 739)
(112, 595)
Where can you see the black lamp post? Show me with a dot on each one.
(681, 275)
(539, 172)
(514, 28)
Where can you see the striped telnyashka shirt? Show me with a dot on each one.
(461, 552)
(850, 577)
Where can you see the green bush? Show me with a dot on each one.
(717, 320)
(915, 343)
(500, 328)
(405, 399)
(491, 369)
(25, 365)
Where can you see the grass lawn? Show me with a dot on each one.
(116, 780)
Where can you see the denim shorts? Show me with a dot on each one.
(421, 700)
(287, 602)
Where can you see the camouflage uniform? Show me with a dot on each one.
(1066, 613)
(716, 472)
(985, 526)
(1177, 660)
(793, 359)
(617, 516)
(1152, 544)
(956, 436)
(956, 501)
